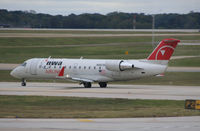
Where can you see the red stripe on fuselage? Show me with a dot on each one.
(62, 72)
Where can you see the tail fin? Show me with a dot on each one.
(164, 50)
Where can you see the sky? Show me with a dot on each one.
(66, 7)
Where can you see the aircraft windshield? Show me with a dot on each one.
(24, 64)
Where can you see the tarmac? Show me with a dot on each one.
(119, 124)
(183, 69)
(112, 91)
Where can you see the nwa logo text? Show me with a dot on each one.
(54, 63)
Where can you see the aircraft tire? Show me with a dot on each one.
(23, 82)
(87, 84)
(103, 84)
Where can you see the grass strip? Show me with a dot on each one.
(72, 107)
(91, 32)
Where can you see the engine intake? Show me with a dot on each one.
(118, 65)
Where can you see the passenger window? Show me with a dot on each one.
(94, 67)
(84, 67)
(99, 67)
(79, 67)
(70, 67)
(89, 67)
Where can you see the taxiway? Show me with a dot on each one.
(113, 91)
(120, 124)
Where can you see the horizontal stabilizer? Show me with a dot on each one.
(160, 75)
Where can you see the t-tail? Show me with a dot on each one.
(163, 52)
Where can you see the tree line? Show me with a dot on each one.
(114, 20)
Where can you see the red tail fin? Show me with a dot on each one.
(164, 50)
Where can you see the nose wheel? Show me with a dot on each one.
(23, 82)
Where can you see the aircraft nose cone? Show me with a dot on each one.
(13, 73)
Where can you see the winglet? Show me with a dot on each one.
(61, 73)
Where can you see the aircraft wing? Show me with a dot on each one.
(138, 68)
(61, 76)
(81, 80)
(74, 79)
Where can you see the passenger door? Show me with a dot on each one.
(34, 66)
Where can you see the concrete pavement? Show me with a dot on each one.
(119, 124)
(113, 91)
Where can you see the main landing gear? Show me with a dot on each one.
(87, 84)
(103, 84)
(23, 82)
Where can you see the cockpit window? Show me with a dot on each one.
(24, 64)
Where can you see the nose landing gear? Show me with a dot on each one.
(23, 82)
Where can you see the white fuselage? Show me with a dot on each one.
(102, 71)
(86, 69)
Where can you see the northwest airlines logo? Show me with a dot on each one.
(54, 63)
(164, 52)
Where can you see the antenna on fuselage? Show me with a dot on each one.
(49, 57)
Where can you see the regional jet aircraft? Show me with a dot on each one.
(87, 71)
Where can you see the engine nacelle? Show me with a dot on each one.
(118, 65)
